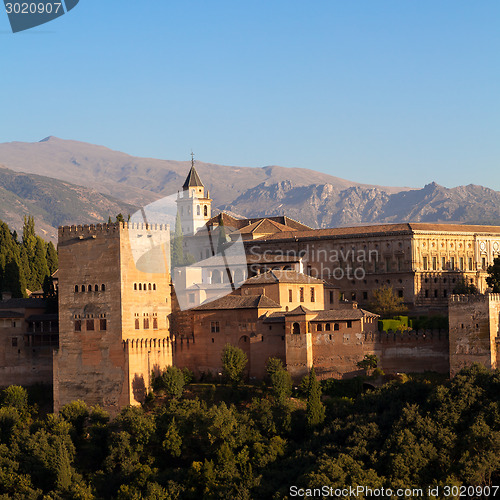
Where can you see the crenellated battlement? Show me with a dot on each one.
(87, 230)
(474, 299)
(408, 336)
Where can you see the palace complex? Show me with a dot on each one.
(272, 286)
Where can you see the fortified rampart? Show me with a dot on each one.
(474, 330)
(114, 308)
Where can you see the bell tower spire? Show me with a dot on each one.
(193, 202)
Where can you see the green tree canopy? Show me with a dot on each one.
(386, 303)
(315, 411)
(493, 280)
(234, 361)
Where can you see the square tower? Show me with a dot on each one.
(114, 310)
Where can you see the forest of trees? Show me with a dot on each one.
(26, 262)
(235, 441)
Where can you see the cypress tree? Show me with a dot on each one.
(52, 259)
(315, 411)
(39, 267)
(177, 251)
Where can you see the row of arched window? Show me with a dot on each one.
(90, 288)
(145, 286)
(149, 342)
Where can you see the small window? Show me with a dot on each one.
(331, 297)
(461, 261)
(443, 262)
(214, 327)
(103, 287)
(83, 288)
(146, 323)
(483, 262)
(76, 288)
(90, 325)
(155, 323)
(424, 263)
(470, 264)
(154, 286)
(78, 325)
(296, 329)
(319, 327)
(290, 295)
(205, 211)
(427, 294)
(135, 286)
(313, 294)
(102, 324)
(144, 287)
(137, 324)
(89, 288)
(400, 294)
(301, 294)
(14, 341)
(213, 340)
(452, 263)
(353, 296)
(96, 288)
(149, 286)
(349, 324)
(328, 327)
(140, 286)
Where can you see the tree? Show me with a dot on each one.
(172, 381)
(177, 250)
(493, 280)
(370, 361)
(234, 361)
(15, 396)
(463, 287)
(281, 381)
(173, 441)
(386, 303)
(39, 268)
(52, 259)
(315, 411)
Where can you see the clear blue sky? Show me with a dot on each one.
(391, 92)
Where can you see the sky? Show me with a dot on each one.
(388, 92)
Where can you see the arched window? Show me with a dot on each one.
(327, 327)
(319, 327)
(135, 286)
(76, 288)
(205, 211)
(216, 276)
(154, 286)
(198, 210)
(336, 326)
(137, 324)
(103, 287)
(144, 287)
(89, 288)
(96, 288)
(296, 329)
(83, 288)
(140, 286)
(149, 286)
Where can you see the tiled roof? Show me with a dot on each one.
(23, 304)
(193, 179)
(299, 310)
(266, 226)
(43, 317)
(406, 228)
(237, 223)
(10, 314)
(238, 302)
(343, 314)
(285, 276)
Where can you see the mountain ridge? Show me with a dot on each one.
(123, 182)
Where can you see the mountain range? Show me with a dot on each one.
(65, 182)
